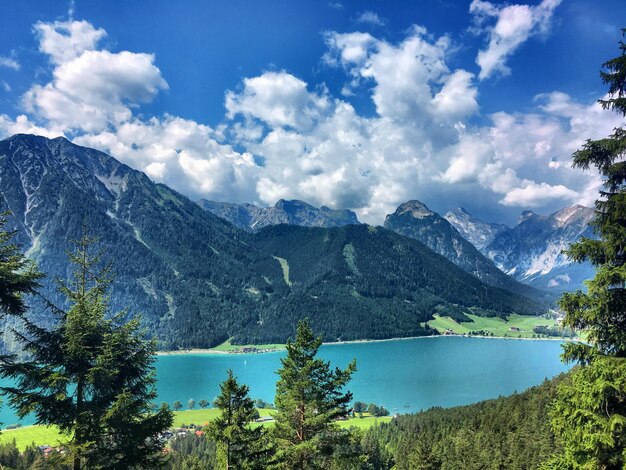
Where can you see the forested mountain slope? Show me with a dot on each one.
(199, 280)
(375, 266)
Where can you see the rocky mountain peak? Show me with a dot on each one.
(573, 214)
(415, 208)
(526, 215)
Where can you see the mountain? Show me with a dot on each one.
(294, 212)
(532, 250)
(365, 270)
(478, 233)
(192, 275)
(414, 219)
(198, 280)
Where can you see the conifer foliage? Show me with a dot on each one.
(91, 375)
(239, 445)
(590, 413)
(309, 398)
(18, 275)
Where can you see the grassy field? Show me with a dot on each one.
(50, 435)
(497, 326)
(227, 347)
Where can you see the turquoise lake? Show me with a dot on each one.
(403, 375)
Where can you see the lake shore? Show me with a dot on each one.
(356, 341)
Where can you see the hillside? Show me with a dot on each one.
(198, 280)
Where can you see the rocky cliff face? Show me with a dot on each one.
(478, 233)
(532, 251)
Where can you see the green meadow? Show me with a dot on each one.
(493, 325)
(50, 435)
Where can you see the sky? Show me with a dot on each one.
(358, 105)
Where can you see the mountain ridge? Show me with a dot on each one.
(294, 212)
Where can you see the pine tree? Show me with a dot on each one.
(18, 275)
(239, 445)
(590, 412)
(90, 375)
(309, 398)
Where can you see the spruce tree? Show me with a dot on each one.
(90, 375)
(309, 399)
(590, 412)
(18, 275)
(239, 445)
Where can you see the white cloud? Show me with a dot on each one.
(412, 81)
(532, 194)
(22, 125)
(514, 24)
(66, 40)
(95, 90)
(9, 63)
(369, 17)
(182, 154)
(278, 99)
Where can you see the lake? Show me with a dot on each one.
(403, 375)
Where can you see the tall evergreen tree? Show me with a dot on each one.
(309, 398)
(18, 275)
(239, 446)
(590, 412)
(90, 375)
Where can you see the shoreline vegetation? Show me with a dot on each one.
(445, 332)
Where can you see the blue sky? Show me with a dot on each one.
(361, 104)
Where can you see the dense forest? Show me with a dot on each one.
(509, 432)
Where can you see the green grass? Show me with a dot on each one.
(497, 326)
(38, 435)
(50, 435)
(363, 423)
(226, 346)
(285, 267)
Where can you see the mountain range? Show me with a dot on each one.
(198, 280)
(532, 251)
(414, 219)
(252, 217)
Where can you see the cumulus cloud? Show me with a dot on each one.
(182, 154)
(285, 138)
(63, 41)
(412, 81)
(95, 90)
(526, 157)
(514, 24)
(278, 99)
(370, 18)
